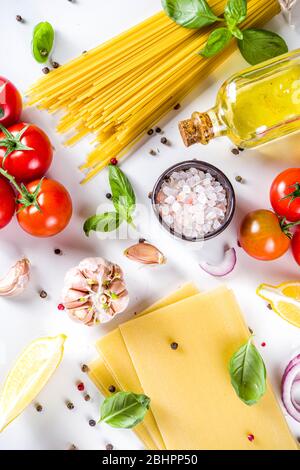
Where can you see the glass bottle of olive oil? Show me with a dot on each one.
(253, 107)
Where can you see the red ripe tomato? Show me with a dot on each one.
(285, 194)
(45, 208)
(10, 103)
(262, 236)
(7, 202)
(296, 245)
(25, 151)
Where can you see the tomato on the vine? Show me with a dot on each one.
(285, 194)
(7, 202)
(44, 208)
(25, 151)
(10, 103)
(263, 236)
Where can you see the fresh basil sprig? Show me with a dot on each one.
(124, 409)
(123, 199)
(42, 41)
(248, 373)
(191, 14)
(259, 45)
(255, 45)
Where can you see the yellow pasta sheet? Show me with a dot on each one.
(192, 399)
(114, 367)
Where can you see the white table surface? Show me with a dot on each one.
(79, 26)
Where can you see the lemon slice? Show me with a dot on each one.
(284, 299)
(30, 373)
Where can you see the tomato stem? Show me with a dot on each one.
(12, 142)
(294, 194)
(27, 198)
(285, 227)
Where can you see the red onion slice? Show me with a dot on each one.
(290, 377)
(225, 267)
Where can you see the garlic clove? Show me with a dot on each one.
(121, 303)
(16, 279)
(76, 280)
(75, 298)
(145, 253)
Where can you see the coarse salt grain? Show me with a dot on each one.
(192, 203)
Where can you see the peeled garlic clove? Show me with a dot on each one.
(145, 253)
(16, 279)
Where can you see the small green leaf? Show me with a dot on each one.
(124, 409)
(106, 222)
(235, 12)
(248, 373)
(123, 196)
(42, 41)
(216, 42)
(259, 45)
(191, 14)
(236, 32)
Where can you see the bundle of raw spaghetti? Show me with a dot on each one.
(122, 88)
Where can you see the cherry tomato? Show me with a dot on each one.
(262, 236)
(296, 245)
(285, 194)
(25, 151)
(7, 202)
(10, 103)
(47, 208)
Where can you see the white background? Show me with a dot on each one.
(79, 26)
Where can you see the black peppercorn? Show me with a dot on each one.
(70, 405)
(43, 294)
(92, 423)
(38, 407)
(57, 251)
(46, 70)
(108, 196)
(142, 240)
(87, 397)
(174, 345)
(73, 447)
(84, 52)
(55, 65)
(235, 151)
(239, 179)
(164, 140)
(84, 368)
(158, 130)
(240, 149)
(150, 132)
(269, 307)
(177, 106)
(152, 152)
(19, 18)
(109, 447)
(112, 389)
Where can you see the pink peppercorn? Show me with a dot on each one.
(250, 437)
(61, 307)
(113, 161)
(263, 344)
(80, 386)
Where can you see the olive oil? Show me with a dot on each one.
(253, 107)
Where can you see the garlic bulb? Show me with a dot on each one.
(94, 291)
(16, 279)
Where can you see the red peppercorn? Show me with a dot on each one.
(80, 386)
(61, 307)
(113, 161)
(263, 344)
(250, 437)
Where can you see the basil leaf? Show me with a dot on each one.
(124, 409)
(106, 222)
(248, 373)
(235, 12)
(191, 14)
(42, 41)
(258, 45)
(216, 42)
(123, 196)
(235, 31)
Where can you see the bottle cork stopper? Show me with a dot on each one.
(188, 132)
